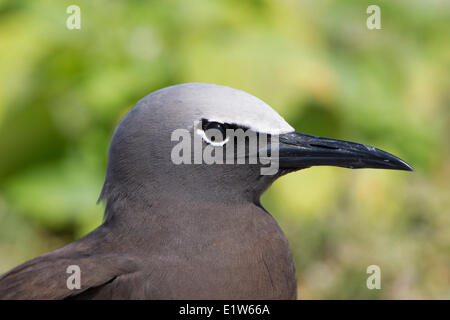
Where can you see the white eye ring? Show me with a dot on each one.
(199, 130)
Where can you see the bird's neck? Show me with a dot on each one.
(161, 218)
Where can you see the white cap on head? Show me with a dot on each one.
(225, 105)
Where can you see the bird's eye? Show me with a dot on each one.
(215, 132)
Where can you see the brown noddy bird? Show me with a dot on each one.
(188, 230)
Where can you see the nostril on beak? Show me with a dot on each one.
(323, 146)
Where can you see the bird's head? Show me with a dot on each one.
(200, 142)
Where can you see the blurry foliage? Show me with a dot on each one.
(62, 92)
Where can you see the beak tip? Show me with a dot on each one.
(402, 165)
(393, 162)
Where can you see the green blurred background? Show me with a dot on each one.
(63, 91)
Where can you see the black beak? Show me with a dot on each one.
(297, 151)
